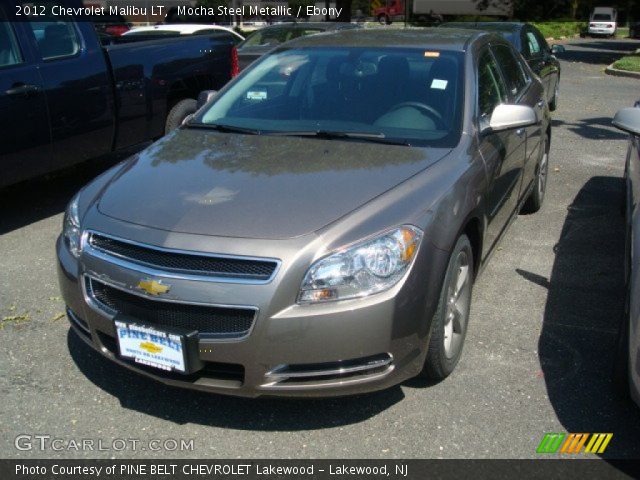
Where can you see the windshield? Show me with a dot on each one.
(411, 96)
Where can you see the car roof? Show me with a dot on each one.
(494, 26)
(447, 39)
(317, 25)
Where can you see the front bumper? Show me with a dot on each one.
(332, 349)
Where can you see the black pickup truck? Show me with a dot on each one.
(65, 97)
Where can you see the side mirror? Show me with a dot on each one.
(187, 119)
(506, 117)
(628, 120)
(557, 49)
(204, 96)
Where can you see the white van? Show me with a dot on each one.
(603, 21)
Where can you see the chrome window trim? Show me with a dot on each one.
(110, 314)
(110, 257)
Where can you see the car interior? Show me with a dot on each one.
(384, 90)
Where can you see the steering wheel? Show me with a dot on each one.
(424, 108)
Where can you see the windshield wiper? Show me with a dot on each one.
(224, 128)
(377, 137)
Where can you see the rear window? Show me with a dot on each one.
(605, 17)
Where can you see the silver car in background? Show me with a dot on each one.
(317, 227)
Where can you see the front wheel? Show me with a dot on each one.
(554, 101)
(536, 197)
(452, 315)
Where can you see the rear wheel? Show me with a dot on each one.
(179, 112)
(384, 19)
(536, 197)
(452, 315)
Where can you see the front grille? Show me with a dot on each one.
(185, 262)
(225, 322)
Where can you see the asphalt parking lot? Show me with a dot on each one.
(537, 359)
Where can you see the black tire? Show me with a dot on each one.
(442, 360)
(534, 201)
(553, 105)
(179, 112)
(384, 19)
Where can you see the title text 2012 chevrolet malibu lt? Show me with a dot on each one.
(317, 227)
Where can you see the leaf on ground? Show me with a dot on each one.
(58, 316)
(15, 319)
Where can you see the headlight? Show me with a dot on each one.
(366, 268)
(71, 227)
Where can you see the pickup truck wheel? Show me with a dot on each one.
(384, 19)
(179, 112)
(536, 197)
(450, 321)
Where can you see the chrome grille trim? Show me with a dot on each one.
(277, 377)
(109, 313)
(158, 270)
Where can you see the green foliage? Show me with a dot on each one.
(630, 63)
(559, 29)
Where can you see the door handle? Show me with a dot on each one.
(520, 132)
(22, 89)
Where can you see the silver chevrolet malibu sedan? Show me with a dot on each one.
(316, 228)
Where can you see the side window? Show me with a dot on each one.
(57, 39)
(512, 69)
(491, 89)
(544, 46)
(9, 51)
(534, 45)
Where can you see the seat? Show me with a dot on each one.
(442, 82)
(392, 79)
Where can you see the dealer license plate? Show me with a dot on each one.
(151, 347)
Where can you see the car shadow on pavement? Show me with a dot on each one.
(597, 52)
(582, 316)
(33, 200)
(597, 128)
(182, 406)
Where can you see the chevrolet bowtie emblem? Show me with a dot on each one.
(153, 287)
(150, 347)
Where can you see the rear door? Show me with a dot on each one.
(25, 149)
(77, 86)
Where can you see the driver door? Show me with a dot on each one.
(500, 150)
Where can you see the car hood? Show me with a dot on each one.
(253, 186)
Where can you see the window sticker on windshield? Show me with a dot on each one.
(257, 95)
(431, 54)
(439, 84)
